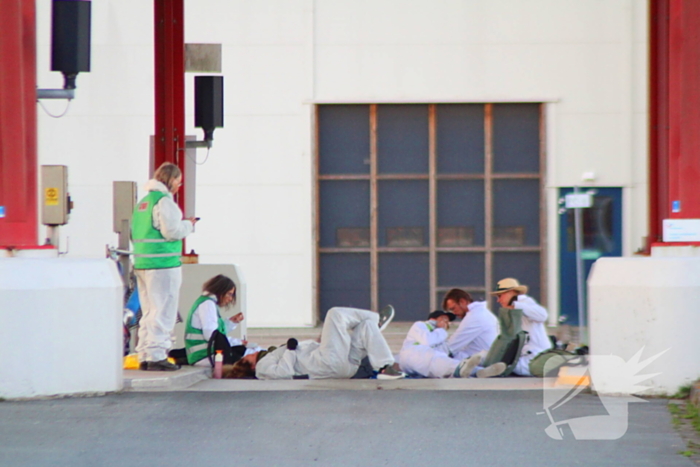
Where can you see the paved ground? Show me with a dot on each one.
(324, 428)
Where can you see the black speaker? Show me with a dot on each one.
(70, 38)
(209, 104)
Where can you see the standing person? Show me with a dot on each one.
(510, 294)
(478, 329)
(205, 318)
(424, 352)
(157, 231)
(348, 335)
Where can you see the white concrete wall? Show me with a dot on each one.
(646, 303)
(254, 193)
(61, 327)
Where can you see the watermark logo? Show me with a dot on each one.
(609, 374)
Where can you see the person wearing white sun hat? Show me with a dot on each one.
(512, 295)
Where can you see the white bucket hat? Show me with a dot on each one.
(504, 285)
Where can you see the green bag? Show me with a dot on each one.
(509, 344)
(552, 360)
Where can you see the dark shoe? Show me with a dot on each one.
(142, 366)
(389, 372)
(162, 365)
(385, 316)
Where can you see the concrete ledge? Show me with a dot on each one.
(470, 384)
(136, 380)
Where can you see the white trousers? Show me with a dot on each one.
(159, 291)
(348, 335)
(427, 362)
(522, 368)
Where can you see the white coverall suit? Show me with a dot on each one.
(159, 289)
(534, 317)
(348, 335)
(425, 352)
(476, 332)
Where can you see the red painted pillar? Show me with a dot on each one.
(18, 147)
(170, 86)
(684, 108)
(674, 127)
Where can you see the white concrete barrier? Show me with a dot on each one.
(60, 327)
(650, 303)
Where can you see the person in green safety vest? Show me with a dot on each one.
(157, 230)
(205, 318)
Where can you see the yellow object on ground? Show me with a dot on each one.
(131, 361)
(573, 376)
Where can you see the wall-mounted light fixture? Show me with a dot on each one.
(208, 108)
(70, 45)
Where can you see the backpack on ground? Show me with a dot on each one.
(509, 344)
(549, 362)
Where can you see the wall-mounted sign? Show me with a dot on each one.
(578, 200)
(681, 230)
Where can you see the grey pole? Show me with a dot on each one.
(580, 289)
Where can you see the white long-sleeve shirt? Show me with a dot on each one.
(206, 318)
(534, 317)
(167, 216)
(476, 332)
(425, 333)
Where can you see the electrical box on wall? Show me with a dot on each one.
(55, 200)
(124, 200)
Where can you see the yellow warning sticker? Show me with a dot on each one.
(51, 196)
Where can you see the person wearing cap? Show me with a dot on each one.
(348, 335)
(512, 295)
(478, 329)
(425, 352)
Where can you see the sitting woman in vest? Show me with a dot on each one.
(204, 320)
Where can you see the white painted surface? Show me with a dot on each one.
(61, 329)
(681, 230)
(254, 193)
(647, 303)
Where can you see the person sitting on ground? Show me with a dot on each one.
(425, 352)
(348, 335)
(511, 295)
(204, 319)
(478, 329)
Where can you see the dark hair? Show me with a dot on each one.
(219, 286)
(166, 173)
(242, 369)
(456, 295)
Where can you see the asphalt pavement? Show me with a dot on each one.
(324, 428)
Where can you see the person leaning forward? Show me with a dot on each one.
(157, 231)
(512, 295)
(478, 329)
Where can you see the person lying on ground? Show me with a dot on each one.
(348, 335)
(425, 352)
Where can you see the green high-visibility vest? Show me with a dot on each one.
(151, 249)
(195, 343)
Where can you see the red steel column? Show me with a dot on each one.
(684, 107)
(659, 205)
(18, 147)
(170, 86)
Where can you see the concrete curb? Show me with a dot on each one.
(136, 380)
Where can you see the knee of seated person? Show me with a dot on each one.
(332, 312)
